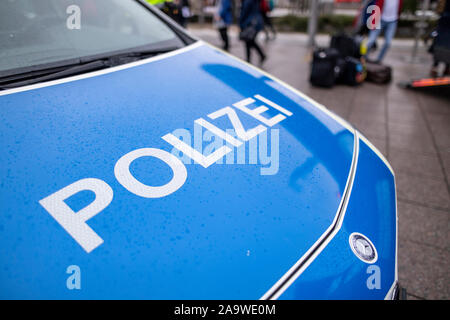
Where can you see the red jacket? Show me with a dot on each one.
(380, 4)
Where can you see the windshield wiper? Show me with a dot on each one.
(52, 75)
(81, 66)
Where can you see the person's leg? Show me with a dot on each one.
(434, 69)
(221, 34)
(227, 41)
(390, 28)
(224, 35)
(259, 50)
(248, 45)
(373, 35)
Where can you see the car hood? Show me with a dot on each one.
(232, 230)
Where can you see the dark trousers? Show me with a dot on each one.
(252, 44)
(224, 35)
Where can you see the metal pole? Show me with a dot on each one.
(201, 17)
(312, 22)
(421, 25)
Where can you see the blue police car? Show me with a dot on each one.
(138, 162)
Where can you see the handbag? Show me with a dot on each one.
(249, 32)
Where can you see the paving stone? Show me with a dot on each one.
(424, 225)
(403, 107)
(371, 128)
(369, 113)
(434, 104)
(426, 165)
(407, 142)
(427, 191)
(423, 270)
(440, 128)
(439, 123)
(401, 97)
(373, 101)
(339, 108)
(412, 130)
(446, 161)
(413, 297)
(403, 116)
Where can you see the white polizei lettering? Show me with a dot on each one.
(198, 157)
(273, 105)
(219, 132)
(239, 152)
(129, 182)
(215, 144)
(256, 113)
(75, 222)
(184, 135)
(237, 124)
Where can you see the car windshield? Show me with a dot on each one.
(43, 32)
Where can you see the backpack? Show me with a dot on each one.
(324, 71)
(353, 73)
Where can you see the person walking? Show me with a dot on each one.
(185, 12)
(223, 19)
(390, 12)
(251, 22)
(442, 39)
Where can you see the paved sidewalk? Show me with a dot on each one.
(412, 129)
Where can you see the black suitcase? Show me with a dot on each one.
(353, 73)
(323, 68)
(378, 73)
(346, 45)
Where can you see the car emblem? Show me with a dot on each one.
(363, 248)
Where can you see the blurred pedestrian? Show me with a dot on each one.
(390, 12)
(251, 23)
(360, 23)
(441, 39)
(223, 19)
(178, 10)
(266, 6)
(185, 12)
(170, 8)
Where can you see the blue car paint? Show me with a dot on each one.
(228, 232)
(337, 273)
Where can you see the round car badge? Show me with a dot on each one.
(363, 248)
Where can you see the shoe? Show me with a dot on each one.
(434, 72)
(447, 71)
(261, 61)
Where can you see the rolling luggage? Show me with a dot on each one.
(353, 73)
(346, 46)
(323, 68)
(378, 73)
